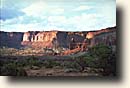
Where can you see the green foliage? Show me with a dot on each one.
(101, 53)
(16, 67)
(50, 63)
(99, 56)
(86, 60)
(112, 64)
(32, 61)
(12, 69)
(73, 65)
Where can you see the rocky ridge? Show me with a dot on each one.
(42, 39)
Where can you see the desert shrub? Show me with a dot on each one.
(12, 69)
(71, 65)
(85, 61)
(22, 63)
(32, 61)
(99, 56)
(2, 63)
(50, 63)
(101, 53)
(7, 51)
(111, 65)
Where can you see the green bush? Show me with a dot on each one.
(32, 61)
(12, 69)
(70, 64)
(99, 56)
(86, 61)
(101, 53)
(50, 63)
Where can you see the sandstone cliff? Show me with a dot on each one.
(46, 39)
(40, 39)
(107, 38)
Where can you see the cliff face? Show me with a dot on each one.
(46, 39)
(10, 39)
(107, 38)
(92, 34)
(37, 39)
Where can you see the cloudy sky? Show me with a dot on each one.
(64, 15)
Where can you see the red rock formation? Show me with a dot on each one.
(108, 38)
(45, 39)
(90, 35)
(41, 39)
(26, 36)
(67, 52)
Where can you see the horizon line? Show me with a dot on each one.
(59, 30)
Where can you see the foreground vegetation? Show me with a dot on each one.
(99, 60)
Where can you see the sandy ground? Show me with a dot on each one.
(57, 72)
